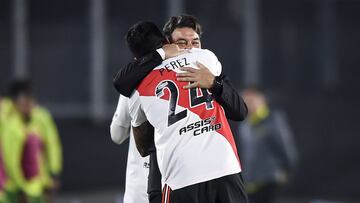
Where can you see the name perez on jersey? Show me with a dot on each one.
(175, 64)
(202, 126)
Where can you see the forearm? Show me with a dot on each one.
(144, 138)
(118, 133)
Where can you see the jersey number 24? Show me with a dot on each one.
(195, 99)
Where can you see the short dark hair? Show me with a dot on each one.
(18, 87)
(144, 37)
(181, 21)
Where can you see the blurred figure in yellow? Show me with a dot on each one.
(31, 147)
(267, 149)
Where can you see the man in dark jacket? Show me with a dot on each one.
(267, 149)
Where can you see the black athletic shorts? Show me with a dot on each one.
(154, 181)
(227, 189)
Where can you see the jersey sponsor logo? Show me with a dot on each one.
(199, 127)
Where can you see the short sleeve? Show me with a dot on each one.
(137, 114)
(209, 60)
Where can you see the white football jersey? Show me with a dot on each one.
(137, 169)
(193, 139)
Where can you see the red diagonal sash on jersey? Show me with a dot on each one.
(150, 82)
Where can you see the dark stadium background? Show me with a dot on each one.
(308, 63)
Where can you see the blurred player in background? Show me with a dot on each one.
(196, 151)
(21, 144)
(267, 148)
(31, 147)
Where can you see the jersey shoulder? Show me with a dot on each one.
(209, 59)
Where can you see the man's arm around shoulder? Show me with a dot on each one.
(128, 78)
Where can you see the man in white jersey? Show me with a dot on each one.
(196, 151)
(137, 167)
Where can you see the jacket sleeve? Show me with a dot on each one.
(227, 96)
(129, 77)
(12, 143)
(54, 147)
(283, 142)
